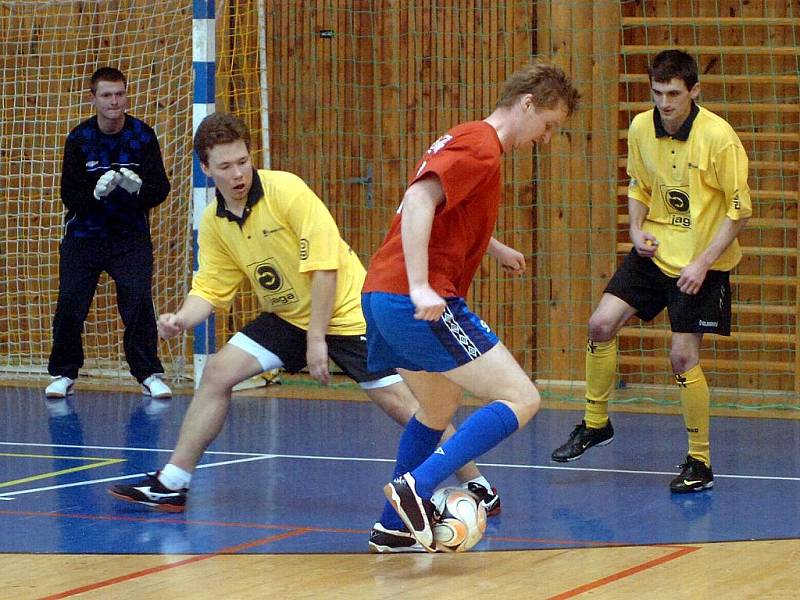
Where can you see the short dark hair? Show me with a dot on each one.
(548, 85)
(674, 64)
(219, 128)
(106, 74)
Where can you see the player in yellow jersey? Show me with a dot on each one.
(268, 227)
(688, 199)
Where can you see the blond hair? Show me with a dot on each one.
(547, 84)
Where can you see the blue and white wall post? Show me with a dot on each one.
(203, 64)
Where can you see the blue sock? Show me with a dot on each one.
(482, 431)
(416, 444)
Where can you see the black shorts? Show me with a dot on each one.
(288, 342)
(640, 283)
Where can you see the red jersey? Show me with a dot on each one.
(467, 161)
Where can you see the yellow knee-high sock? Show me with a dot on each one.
(695, 401)
(601, 368)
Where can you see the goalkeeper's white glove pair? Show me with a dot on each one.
(124, 178)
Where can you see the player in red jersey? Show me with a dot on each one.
(413, 301)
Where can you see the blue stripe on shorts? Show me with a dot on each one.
(395, 339)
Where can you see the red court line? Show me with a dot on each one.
(235, 524)
(681, 551)
(160, 568)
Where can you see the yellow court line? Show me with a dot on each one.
(48, 456)
(103, 463)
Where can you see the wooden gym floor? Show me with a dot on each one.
(286, 495)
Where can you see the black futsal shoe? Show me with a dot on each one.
(151, 492)
(695, 477)
(488, 498)
(581, 439)
(416, 512)
(391, 541)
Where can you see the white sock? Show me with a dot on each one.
(480, 480)
(174, 477)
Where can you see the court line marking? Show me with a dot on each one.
(680, 552)
(102, 462)
(13, 494)
(125, 448)
(159, 518)
(173, 565)
(254, 456)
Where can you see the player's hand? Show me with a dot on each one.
(512, 261)
(645, 243)
(130, 181)
(107, 184)
(169, 325)
(692, 277)
(317, 360)
(428, 305)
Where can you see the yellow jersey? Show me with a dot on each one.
(690, 182)
(284, 235)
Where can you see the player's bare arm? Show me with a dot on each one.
(645, 243)
(419, 205)
(511, 260)
(323, 294)
(194, 311)
(693, 274)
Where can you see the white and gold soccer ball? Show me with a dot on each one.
(461, 521)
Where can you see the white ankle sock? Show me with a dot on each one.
(174, 477)
(480, 480)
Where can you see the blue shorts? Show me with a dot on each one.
(395, 339)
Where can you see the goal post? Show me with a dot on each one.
(204, 66)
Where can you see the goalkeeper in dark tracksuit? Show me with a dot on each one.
(112, 176)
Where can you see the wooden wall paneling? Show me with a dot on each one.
(544, 356)
(604, 98)
(342, 135)
(516, 228)
(388, 165)
(556, 258)
(485, 288)
(372, 151)
(407, 72)
(518, 197)
(576, 192)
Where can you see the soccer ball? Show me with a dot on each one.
(461, 521)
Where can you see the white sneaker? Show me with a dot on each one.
(154, 386)
(60, 387)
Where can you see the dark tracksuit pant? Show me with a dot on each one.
(128, 261)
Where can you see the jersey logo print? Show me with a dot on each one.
(439, 144)
(270, 280)
(268, 277)
(676, 200)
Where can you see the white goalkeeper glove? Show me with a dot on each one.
(106, 184)
(130, 181)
